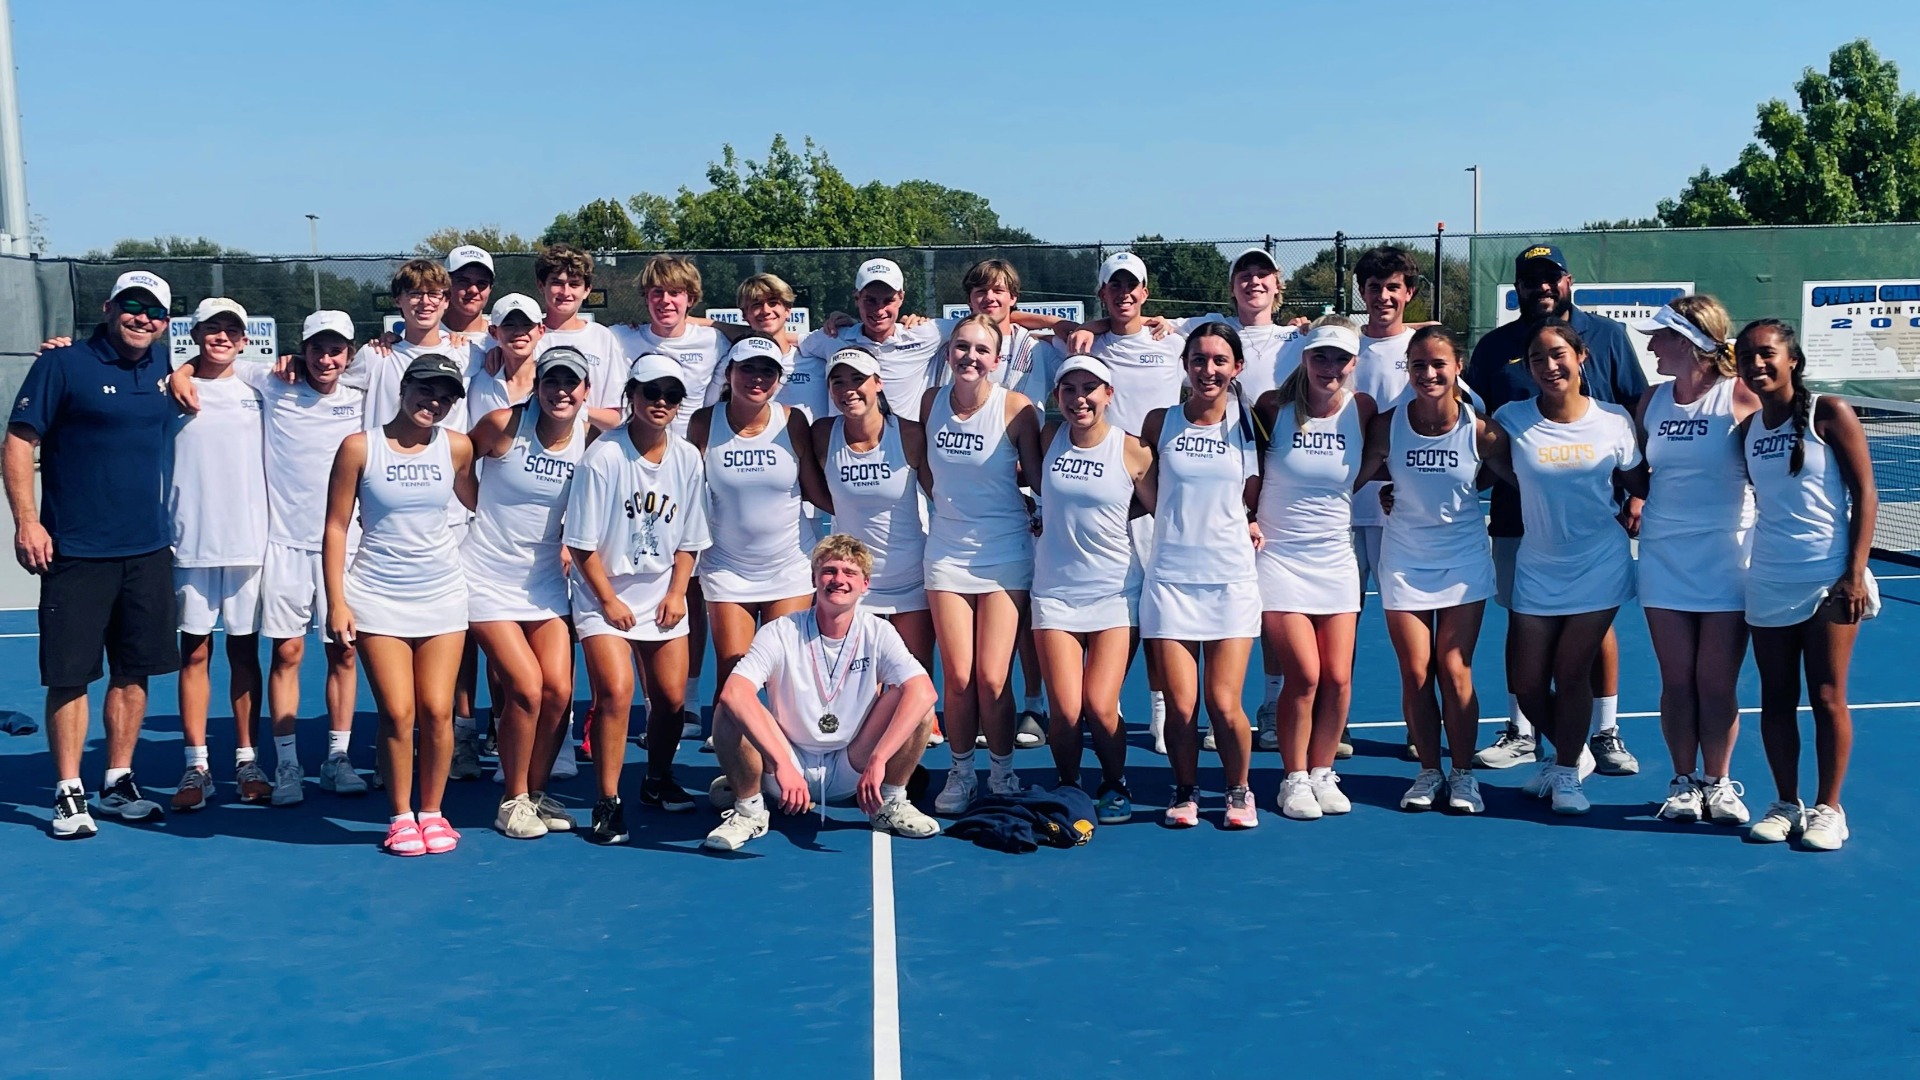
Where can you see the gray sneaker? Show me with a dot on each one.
(737, 827)
(124, 801)
(1610, 755)
(466, 757)
(337, 776)
(251, 781)
(288, 784)
(552, 814)
(517, 819)
(1507, 751)
(902, 818)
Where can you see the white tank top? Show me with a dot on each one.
(876, 500)
(406, 545)
(1200, 519)
(979, 517)
(1085, 552)
(1800, 533)
(753, 486)
(1698, 484)
(1306, 490)
(1437, 521)
(523, 493)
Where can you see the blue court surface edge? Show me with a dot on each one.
(261, 942)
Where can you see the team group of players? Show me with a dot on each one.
(508, 474)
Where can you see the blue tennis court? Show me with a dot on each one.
(254, 942)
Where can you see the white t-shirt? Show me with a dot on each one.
(217, 496)
(1265, 347)
(820, 690)
(908, 359)
(1381, 370)
(635, 513)
(1146, 374)
(1566, 473)
(304, 430)
(701, 352)
(607, 362)
(380, 374)
(804, 387)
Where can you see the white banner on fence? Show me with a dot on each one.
(1861, 329)
(1070, 310)
(1622, 301)
(799, 320)
(262, 339)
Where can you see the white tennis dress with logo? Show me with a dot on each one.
(1696, 527)
(1307, 563)
(753, 485)
(1575, 556)
(407, 580)
(1201, 583)
(512, 551)
(979, 538)
(876, 500)
(1800, 532)
(1086, 575)
(1433, 552)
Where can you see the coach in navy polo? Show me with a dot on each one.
(1499, 372)
(99, 539)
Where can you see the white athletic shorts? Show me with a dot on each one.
(946, 575)
(1790, 603)
(830, 775)
(1699, 572)
(1181, 612)
(210, 596)
(1117, 611)
(1311, 577)
(896, 601)
(293, 592)
(641, 592)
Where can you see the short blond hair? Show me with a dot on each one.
(842, 546)
(762, 287)
(672, 272)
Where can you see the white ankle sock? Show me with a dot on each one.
(1606, 715)
(73, 784)
(1158, 700)
(999, 765)
(337, 741)
(893, 793)
(1273, 691)
(753, 807)
(243, 755)
(962, 760)
(114, 775)
(196, 757)
(1519, 719)
(284, 749)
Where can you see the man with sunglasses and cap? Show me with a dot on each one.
(99, 535)
(1499, 372)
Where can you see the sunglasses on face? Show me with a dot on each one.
(671, 393)
(135, 306)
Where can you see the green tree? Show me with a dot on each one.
(1186, 279)
(1623, 223)
(489, 238)
(164, 247)
(601, 225)
(1850, 152)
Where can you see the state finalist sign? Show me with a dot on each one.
(1861, 329)
(1619, 301)
(1070, 310)
(262, 340)
(799, 320)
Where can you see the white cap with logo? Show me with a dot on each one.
(467, 255)
(321, 322)
(1123, 260)
(653, 366)
(218, 305)
(1092, 365)
(512, 302)
(1344, 338)
(880, 270)
(759, 348)
(143, 279)
(860, 360)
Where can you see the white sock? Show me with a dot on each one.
(196, 757)
(245, 755)
(1521, 725)
(114, 775)
(753, 807)
(962, 759)
(337, 742)
(1000, 766)
(400, 818)
(1319, 771)
(428, 815)
(466, 725)
(1273, 691)
(1606, 714)
(1159, 702)
(70, 785)
(1710, 781)
(893, 793)
(284, 749)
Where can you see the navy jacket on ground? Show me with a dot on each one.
(1062, 818)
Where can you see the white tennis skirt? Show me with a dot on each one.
(1594, 579)
(895, 601)
(1790, 603)
(1697, 572)
(1310, 577)
(641, 592)
(443, 611)
(1117, 611)
(1180, 612)
(954, 576)
(730, 586)
(525, 597)
(1415, 588)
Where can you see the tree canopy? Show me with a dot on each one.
(490, 238)
(1850, 152)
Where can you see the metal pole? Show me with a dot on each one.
(1341, 304)
(1439, 275)
(1475, 170)
(313, 241)
(13, 169)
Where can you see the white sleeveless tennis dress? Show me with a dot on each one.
(876, 500)
(1696, 526)
(979, 538)
(1086, 576)
(1575, 556)
(1800, 530)
(512, 549)
(753, 482)
(1201, 583)
(407, 581)
(1433, 551)
(1307, 564)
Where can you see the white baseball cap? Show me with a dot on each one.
(143, 279)
(1123, 260)
(1255, 254)
(880, 270)
(467, 255)
(1082, 362)
(512, 302)
(860, 360)
(322, 321)
(653, 366)
(759, 348)
(1344, 338)
(218, 305)
(1668, 319)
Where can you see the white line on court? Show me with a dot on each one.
(886, 965)
(1856, 706)
(18, 635)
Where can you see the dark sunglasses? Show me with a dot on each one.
(133, 305)
(671, 393)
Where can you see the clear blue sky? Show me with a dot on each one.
(1079, 122)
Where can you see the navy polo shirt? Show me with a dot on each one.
(106, 430)
(1498, 372)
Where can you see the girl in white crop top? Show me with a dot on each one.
(404, 603)
(1808, 587)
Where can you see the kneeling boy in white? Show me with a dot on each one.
(852, 710)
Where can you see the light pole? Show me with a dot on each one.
(313, 241)
(1475, 170)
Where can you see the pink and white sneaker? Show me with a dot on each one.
(1241, 813)
(1184, 811)
(439, 836)
(403, 838)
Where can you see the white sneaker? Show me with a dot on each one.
(337, 776)
(1567, 796)
(519, 819)
(720, 793)
(1296, 798)
(1425, 787)
(902, 818)
(552, 814)
(958, 793)
(1587, 762)
(1683, 800)
(1005, 785)
(466, 757)
(1540, 784)
(1158, 727)
(71, 818)
(1507, 751)
(1826, 828)
(735, 829)
(1723, 802)
(288, 784)
(1326, 792)
(565, 765)
(1463, 792)
(1780, 822)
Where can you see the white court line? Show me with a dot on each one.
(1853, 706)
(18, 635)
(886, 965)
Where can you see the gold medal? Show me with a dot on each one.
(829, 723)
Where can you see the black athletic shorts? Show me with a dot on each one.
(124, 607)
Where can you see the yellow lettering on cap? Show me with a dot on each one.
(1536, 253)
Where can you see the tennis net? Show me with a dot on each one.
(1893, 442)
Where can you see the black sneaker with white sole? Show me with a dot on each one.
(123, 800)
(665, 793)
(609, 822)
(71, 819)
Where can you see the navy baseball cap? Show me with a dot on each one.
(1549, 252)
